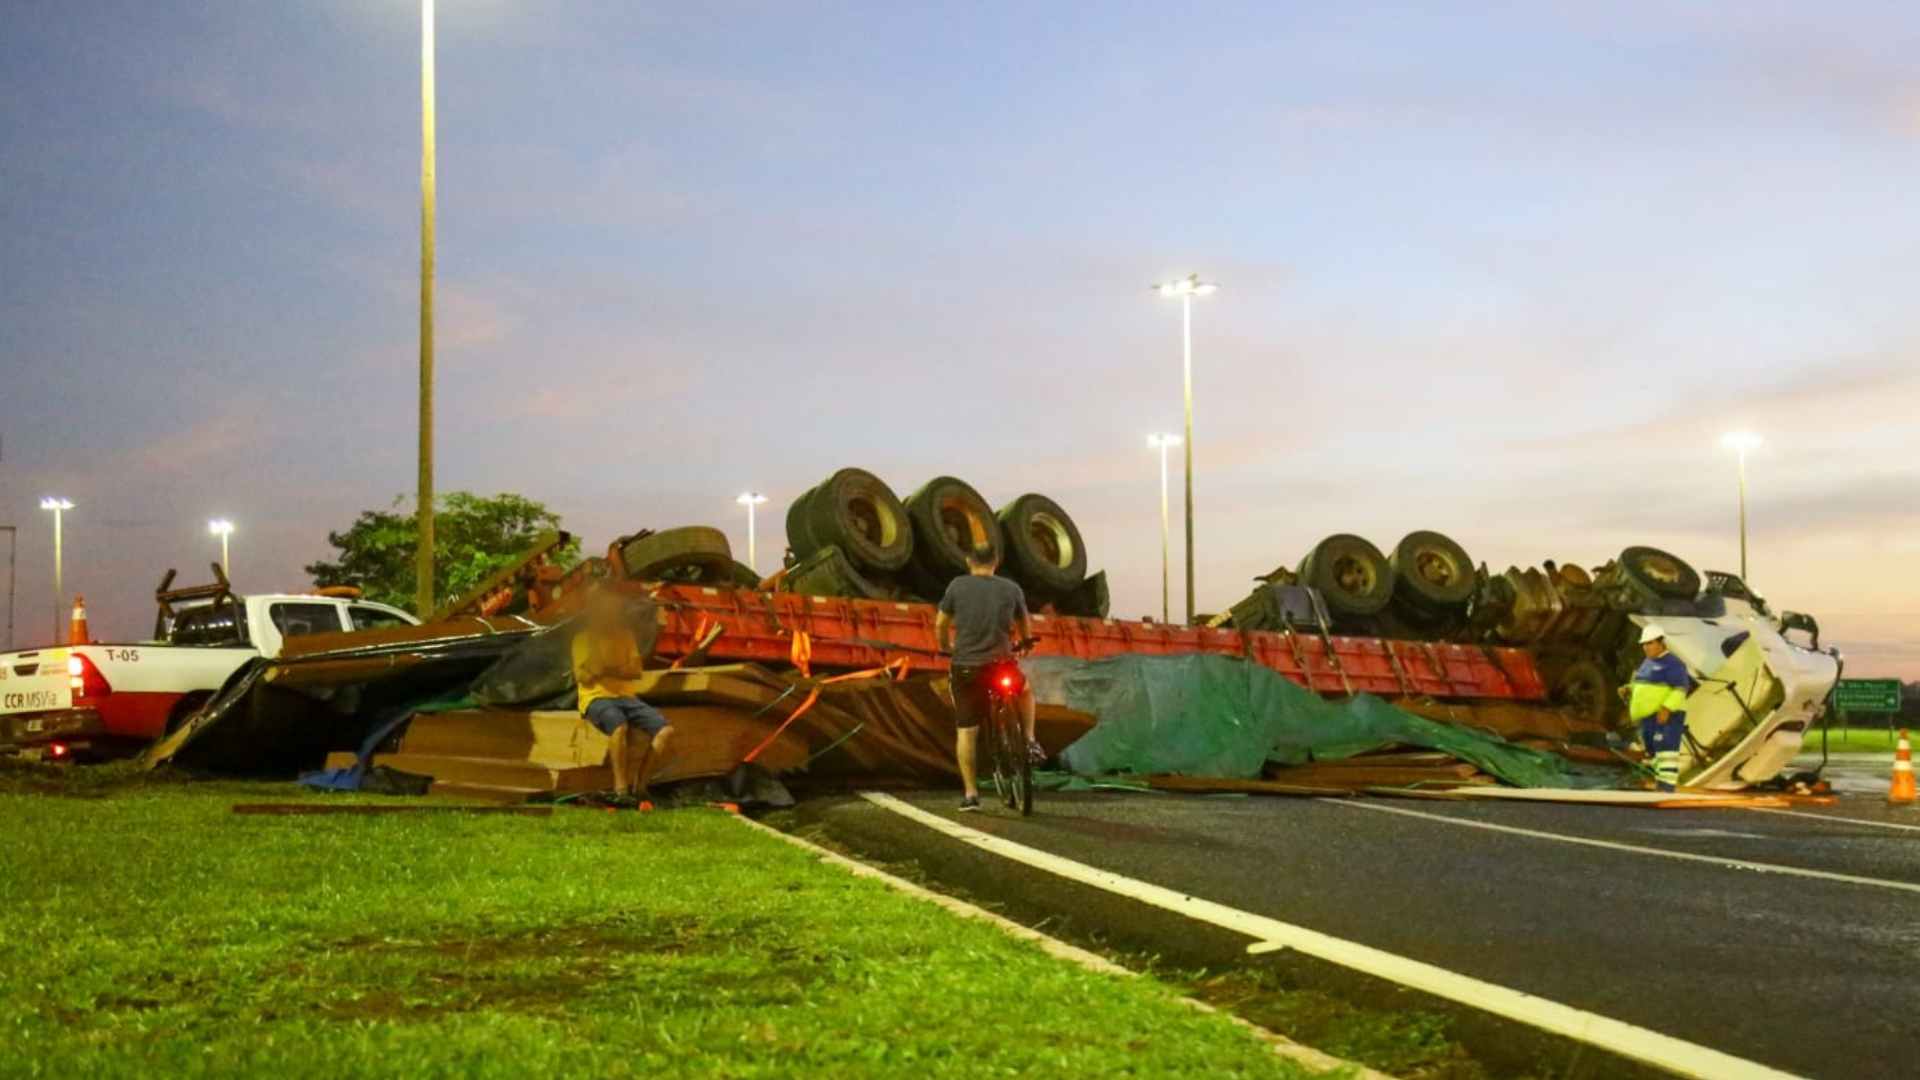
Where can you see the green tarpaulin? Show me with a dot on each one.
(1205, 715)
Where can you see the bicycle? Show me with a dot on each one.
(1006, 735)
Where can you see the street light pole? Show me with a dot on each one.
(1743, 515)
(1741, 443)
(1163, 443)
(59, 507)
(223, 529)
(423, 558)
(1186, 289)
(750, 500)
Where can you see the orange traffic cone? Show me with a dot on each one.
(1902, 792)
(77, 631)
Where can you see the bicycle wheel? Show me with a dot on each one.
(997, 749)
(1019, 767)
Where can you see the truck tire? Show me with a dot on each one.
(1432, 572)
(1091, 599)
(1351, 574)
(800, 539)
(1659, 574)
(949, 520)
(828, 572)
(693, 553)
(1043, 547)
(858, 513)
(1584, 690)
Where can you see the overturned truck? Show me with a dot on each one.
(828, 669)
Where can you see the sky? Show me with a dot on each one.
(1505, 270)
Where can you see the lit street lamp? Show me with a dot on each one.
(223, 529)
(1742, 443)
(1163, 443)
(1186, 289)
(59, 507)
(423, 507)
(750, 500)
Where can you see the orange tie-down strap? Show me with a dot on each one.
(896, 669)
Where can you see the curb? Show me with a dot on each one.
(1298, 1053)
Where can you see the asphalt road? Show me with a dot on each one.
(1815, 975)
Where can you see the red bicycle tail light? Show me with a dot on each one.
(58, 750)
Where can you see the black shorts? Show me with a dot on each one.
(971, 702)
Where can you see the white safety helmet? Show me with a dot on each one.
(1651, 633)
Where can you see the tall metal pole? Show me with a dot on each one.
(1166, 542)
(13, 544)
(226, 562)
(59, 585)
(1186, 335)
(753, 559)
(423, 560)
(1743, 515)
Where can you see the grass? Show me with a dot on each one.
(147, 929)
(1408, 1043)
(1858, 739)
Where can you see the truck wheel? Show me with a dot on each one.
(1043, 547)
(857, 512)
(1433, 572)
(1660, 574)
(830, 573)
(1351, 574)
(693, 553)
(799, 537)
(949, 520)
(1583, 688)
(1091, 599)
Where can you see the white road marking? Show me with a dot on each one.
(1636, 849)
(1831, 817)
(1317, 1060)
(1615, 1036)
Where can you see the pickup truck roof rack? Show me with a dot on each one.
(166, 596)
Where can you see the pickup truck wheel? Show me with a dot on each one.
(184, 709)
(1659, 573)
(857, 512)
(1351, 574)
(694, 553)
(1432, 571)
(949, 520)
(1043, 547)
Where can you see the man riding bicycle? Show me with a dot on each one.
(981, 616)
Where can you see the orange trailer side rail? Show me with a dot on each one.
(842, 633)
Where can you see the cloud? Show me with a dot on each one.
(236, 427)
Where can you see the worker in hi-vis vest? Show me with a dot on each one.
(1657, 699)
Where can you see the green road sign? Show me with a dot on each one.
(1867, 695)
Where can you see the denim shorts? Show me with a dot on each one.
(609, 714)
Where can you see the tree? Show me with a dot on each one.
(474, 537)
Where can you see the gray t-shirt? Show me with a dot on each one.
(984, 610)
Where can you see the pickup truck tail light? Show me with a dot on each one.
(84, 679)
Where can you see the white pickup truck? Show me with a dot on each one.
(106, 700)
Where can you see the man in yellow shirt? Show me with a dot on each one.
(606, 668)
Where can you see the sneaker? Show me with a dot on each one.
(969, 803)
(1036, 753)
